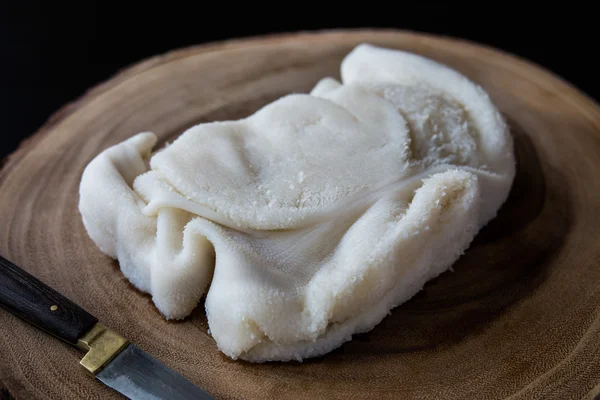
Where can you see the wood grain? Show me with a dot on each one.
(519, 318)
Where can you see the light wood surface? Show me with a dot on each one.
(519, 318)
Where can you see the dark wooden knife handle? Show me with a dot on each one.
(30, 299)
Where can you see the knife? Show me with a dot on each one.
(109, 357)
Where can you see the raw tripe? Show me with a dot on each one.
(308, 221)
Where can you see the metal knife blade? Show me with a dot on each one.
(138, 375)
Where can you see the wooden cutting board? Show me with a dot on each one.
(518, 318)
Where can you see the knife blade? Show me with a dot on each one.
(109, 357)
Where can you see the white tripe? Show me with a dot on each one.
(308, 221)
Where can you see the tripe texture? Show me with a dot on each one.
(308, 221)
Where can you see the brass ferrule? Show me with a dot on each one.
(101, 345)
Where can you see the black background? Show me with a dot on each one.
(52, 53)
